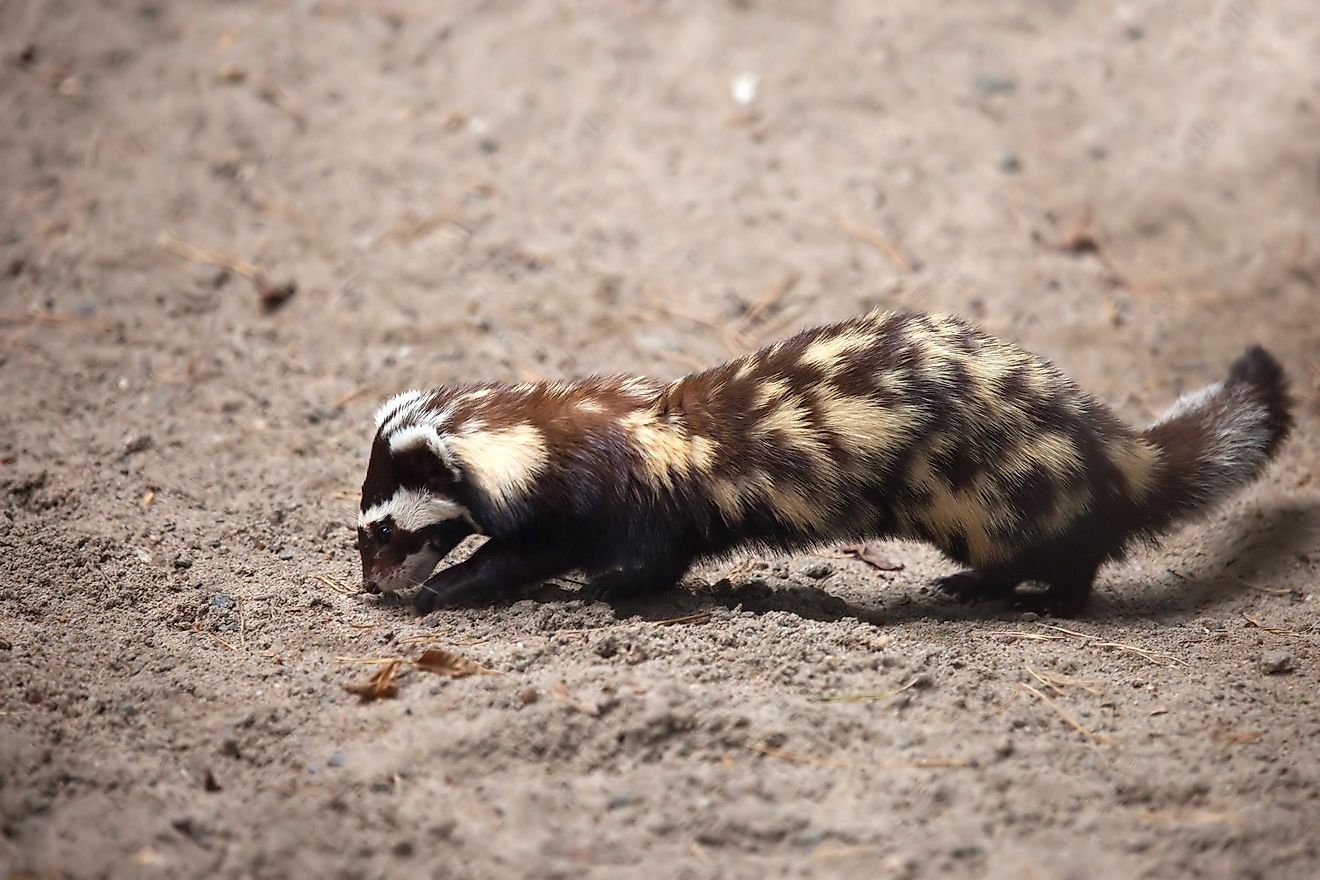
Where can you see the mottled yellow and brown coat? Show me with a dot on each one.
(888, 425)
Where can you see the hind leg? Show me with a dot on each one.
(979, 584)
(1066, 594)
(639, 580)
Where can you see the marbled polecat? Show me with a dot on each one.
(887, 425)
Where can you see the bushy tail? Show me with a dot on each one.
(1219, 438)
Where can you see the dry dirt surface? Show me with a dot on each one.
(492, 190)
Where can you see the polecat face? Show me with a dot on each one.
(411, 515)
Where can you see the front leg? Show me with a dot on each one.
(495, 568)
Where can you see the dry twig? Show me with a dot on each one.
(933, 763)
(1277, 630)
(1269, 591)
(335, 584)
(1063, 713)
(269, 295)
(686, 361)
(1146, 654)
(877, 241)
(50, 319)
(228, 645)
(1039, 637)
(1057, 683)
(1239, 739)
(869, 698)
(772, 298)
(783, 755)
(1192, 817)
(209, 256)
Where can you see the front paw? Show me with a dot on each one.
(436, 594)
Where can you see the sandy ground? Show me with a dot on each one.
(501, 190)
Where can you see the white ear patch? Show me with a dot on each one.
(427, 437)
(413, 510)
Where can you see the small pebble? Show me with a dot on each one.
(1029, 616)
(1276, 662)
(744, 87)
(137, 443)
(1008, 162)
(183, 561)
(1003, 748)
(229, 742)
(922, 680)
(622, 799)
(221, 602)
(209, 782)
(323, 414)
(994, 84)
(808, 839)
(336, 760)
(818, 570)
(607, 647)
(528, 695)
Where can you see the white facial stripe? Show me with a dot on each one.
(413, 510)
(398, 405)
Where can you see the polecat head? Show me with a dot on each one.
(412, 513)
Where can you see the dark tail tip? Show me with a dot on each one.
(1259, 370)
(1256, 367)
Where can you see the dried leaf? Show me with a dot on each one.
(379, 685)
(447, 663)
(870, 557)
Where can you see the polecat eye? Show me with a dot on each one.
(382, 532)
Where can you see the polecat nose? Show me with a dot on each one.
(369, 587)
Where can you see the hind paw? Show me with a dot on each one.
(975, 586)
(1053, 602)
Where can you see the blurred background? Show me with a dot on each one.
(228, 230)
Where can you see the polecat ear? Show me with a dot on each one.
(435, 473)
(421, 454)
